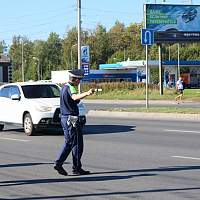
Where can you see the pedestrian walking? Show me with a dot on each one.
(73, 136)
(179, 88)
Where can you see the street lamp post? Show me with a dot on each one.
(22, 43)
(124, 54)
(72, 61)
(38, 68)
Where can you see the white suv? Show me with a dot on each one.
(34, 105)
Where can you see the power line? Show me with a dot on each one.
(67, 14)
(111, 11)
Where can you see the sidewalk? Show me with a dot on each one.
(142, 115)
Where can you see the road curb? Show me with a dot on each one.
(142, 115)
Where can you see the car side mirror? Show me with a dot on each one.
(15, 97)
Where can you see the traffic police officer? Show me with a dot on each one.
(73, 136)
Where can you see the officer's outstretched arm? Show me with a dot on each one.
(82, 95)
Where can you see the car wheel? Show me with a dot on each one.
(28, 125)
(1, 127)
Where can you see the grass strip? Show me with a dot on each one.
(160, 110)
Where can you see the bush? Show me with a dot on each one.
(107, 87)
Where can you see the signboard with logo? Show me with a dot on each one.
(173, 23)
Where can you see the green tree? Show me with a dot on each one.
(116, 37)
(20, 50)
(69, 49)
(40, 55)
(98, 46)
(2, 46)
(15, 54)
(135, 50)
(53, 48)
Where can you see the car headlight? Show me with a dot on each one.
(43, 108)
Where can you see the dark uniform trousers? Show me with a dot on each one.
(73, 142)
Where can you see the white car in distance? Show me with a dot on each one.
(34, 105)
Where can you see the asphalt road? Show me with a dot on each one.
(129, 159)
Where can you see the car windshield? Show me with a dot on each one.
(41, 91)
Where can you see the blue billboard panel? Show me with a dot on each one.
(173, 22)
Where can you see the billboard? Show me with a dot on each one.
(173, 23)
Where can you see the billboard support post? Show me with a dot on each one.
(160, 69)
(178, 63)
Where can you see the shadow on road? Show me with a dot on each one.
(105, 129)
(104, 194)
(93, 177)
(50, 132)
(88, 130)
(15, 129)
(24, 164)
(160, 169)
(68, 179)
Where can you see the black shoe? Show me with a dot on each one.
(60, 170)
(80, 172)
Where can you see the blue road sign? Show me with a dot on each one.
(86, 68)
(147, 37)
(85, 54)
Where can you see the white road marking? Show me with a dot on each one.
(181, 131)
(5, 138)
(185, 157)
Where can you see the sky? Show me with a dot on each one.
(36, 19)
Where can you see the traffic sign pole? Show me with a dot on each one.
(147, 78)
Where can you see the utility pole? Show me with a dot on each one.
(79, 33)
(79, 38)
